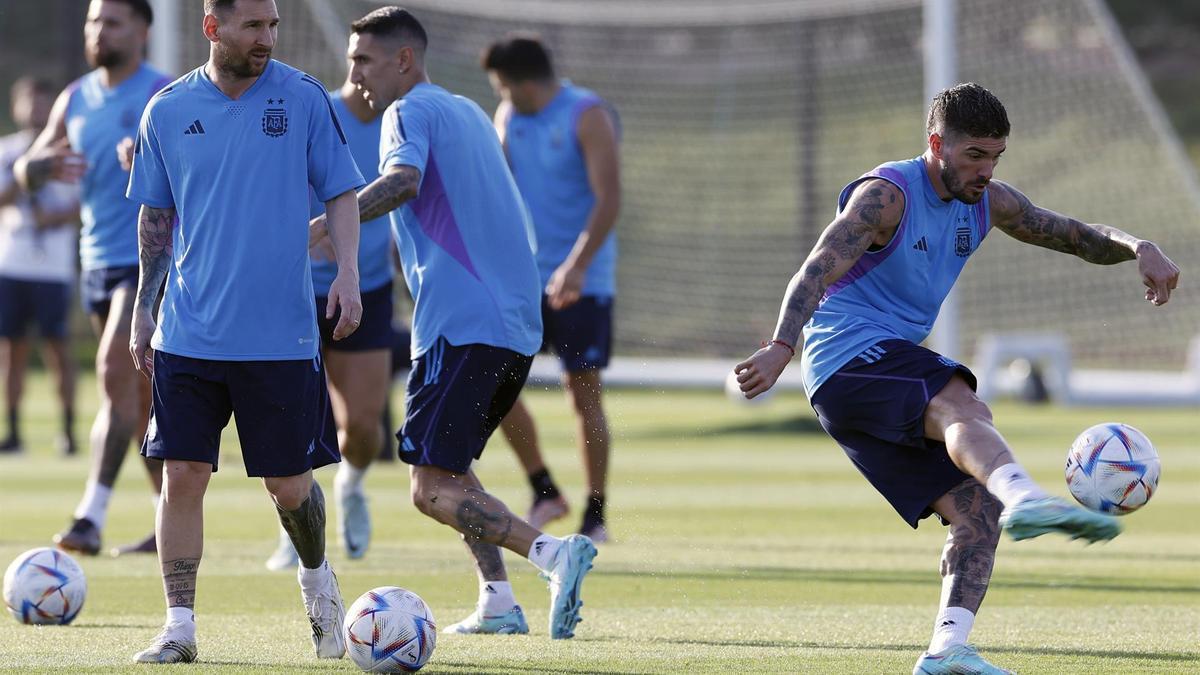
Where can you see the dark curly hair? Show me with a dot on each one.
(967, 109)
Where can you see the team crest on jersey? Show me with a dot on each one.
(275, 122)
(962, 242)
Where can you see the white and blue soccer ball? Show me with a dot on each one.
(390, 630)
(1112, 468)
(44, 586)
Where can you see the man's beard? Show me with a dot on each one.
(238, 65)
(956, 188)
(105, 58)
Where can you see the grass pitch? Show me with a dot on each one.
(745, 542)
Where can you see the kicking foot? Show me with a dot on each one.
(285, 556)
(81, 537)
(1035, 517)
(326, 614)
(354, 523)
(956, 659)
(546, 510)
(512, 622)
(172, 645)
(147, 545)
(571, 564)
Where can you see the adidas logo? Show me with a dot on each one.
(195, 128)
(947, 623)
(538, 546)
(921, 245)
(489, 589)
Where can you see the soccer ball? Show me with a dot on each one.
(44, 586)
(390, 630)
(1112, 468)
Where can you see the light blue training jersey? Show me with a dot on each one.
(97, 119)
(238, 174)
(547, 163)
(375, 238)
(465, 242)
(897, 291)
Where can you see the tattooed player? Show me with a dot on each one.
(908, 418)
(230, 149)
(465, 245)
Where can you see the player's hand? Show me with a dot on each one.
(125, 153)
(317, 231)
(59, 162)
(758, 373)
(322, 251)
(1159, 274)
(139, 342)
(565, 286)
(344, 297)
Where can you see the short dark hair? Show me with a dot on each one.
(28, 85)
(519, 57)
(393, 22)
(967, 109)
(141, 8)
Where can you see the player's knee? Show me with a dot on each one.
(289, 492)
(185, 481)
(958, 404)
(364, 430)
(422, 493)
(583, 389)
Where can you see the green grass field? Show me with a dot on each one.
(745, 542)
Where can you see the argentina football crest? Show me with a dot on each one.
(274, 121)
(962, 237)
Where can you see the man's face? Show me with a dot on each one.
(246, 35)
(375, 68)
(519, 93)
(113, 34)
(968, 164)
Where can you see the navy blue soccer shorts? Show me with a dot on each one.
(874, 407)
(581, 335)
(375, 331)
(41, 303)
(98, 286)
(457, 396)
(284, 421)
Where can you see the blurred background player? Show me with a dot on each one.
(358, 367)
(561, 141)
(466, 248)
(237, 330)
(907, 417)
(87, 124)
(37, 265)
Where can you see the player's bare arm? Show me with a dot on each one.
(50, 156)
(598, 139)
(342, 223)
(870, 218)
(384, 195)
(155, 255)
(1017, 216)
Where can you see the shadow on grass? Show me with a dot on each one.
(803, 424)
(494, 668)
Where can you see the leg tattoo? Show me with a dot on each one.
(306, 527)
(488, 559)
(474, 521)
(179, 581)
(970, 548)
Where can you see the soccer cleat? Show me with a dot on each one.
(509, 623)
(597, 532)
(354, 523)
(285, 556)
(1035, 517)
(81, 537)
(956, 660)
(168, 647)
(571, 564)
(147, 545)
(546, 510)
(326, 614)
(11, 446)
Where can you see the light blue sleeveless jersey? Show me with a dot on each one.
(897, 291)
(547, 162)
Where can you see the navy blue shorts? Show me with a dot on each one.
(456, 398)
(97, 287)
(44, 303)
(375, 331)
(581, 335)
(874, 407)
(284, 421)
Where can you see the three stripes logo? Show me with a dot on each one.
(921, 245)
(194, 129)
(872, 354)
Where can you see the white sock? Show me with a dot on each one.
(94, 505)
(952, 627)
(349, 478)
(496, 597)
(313, 580)
(182, 620)
(1012, 485)
(542, 553)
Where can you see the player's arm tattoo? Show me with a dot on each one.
(875, 208)
(474, 518)
(156, 237)
(1023, 220)
(386, 193)
(970, 550)
(179, 581)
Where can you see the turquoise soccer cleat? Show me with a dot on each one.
(1035, 517)
(509, 623)
(571, 564)
(354, 523)
(957, 660)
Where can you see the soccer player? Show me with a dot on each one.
(37, 266)
(88, 122)
(359, 367)
(467, 254)
(908, 418)
(222, 167)
(561, 142)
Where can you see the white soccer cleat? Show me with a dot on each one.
(354, 522)
(478, 623)
(285, 556)
(170, 646)
(571, 564)
(326, 614)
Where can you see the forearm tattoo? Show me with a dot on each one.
(306, 527)
(1097, 244)
(488, 559)
(970, 550)
(156, 241)
(474, 519)
(179, 581)
(388, 192)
